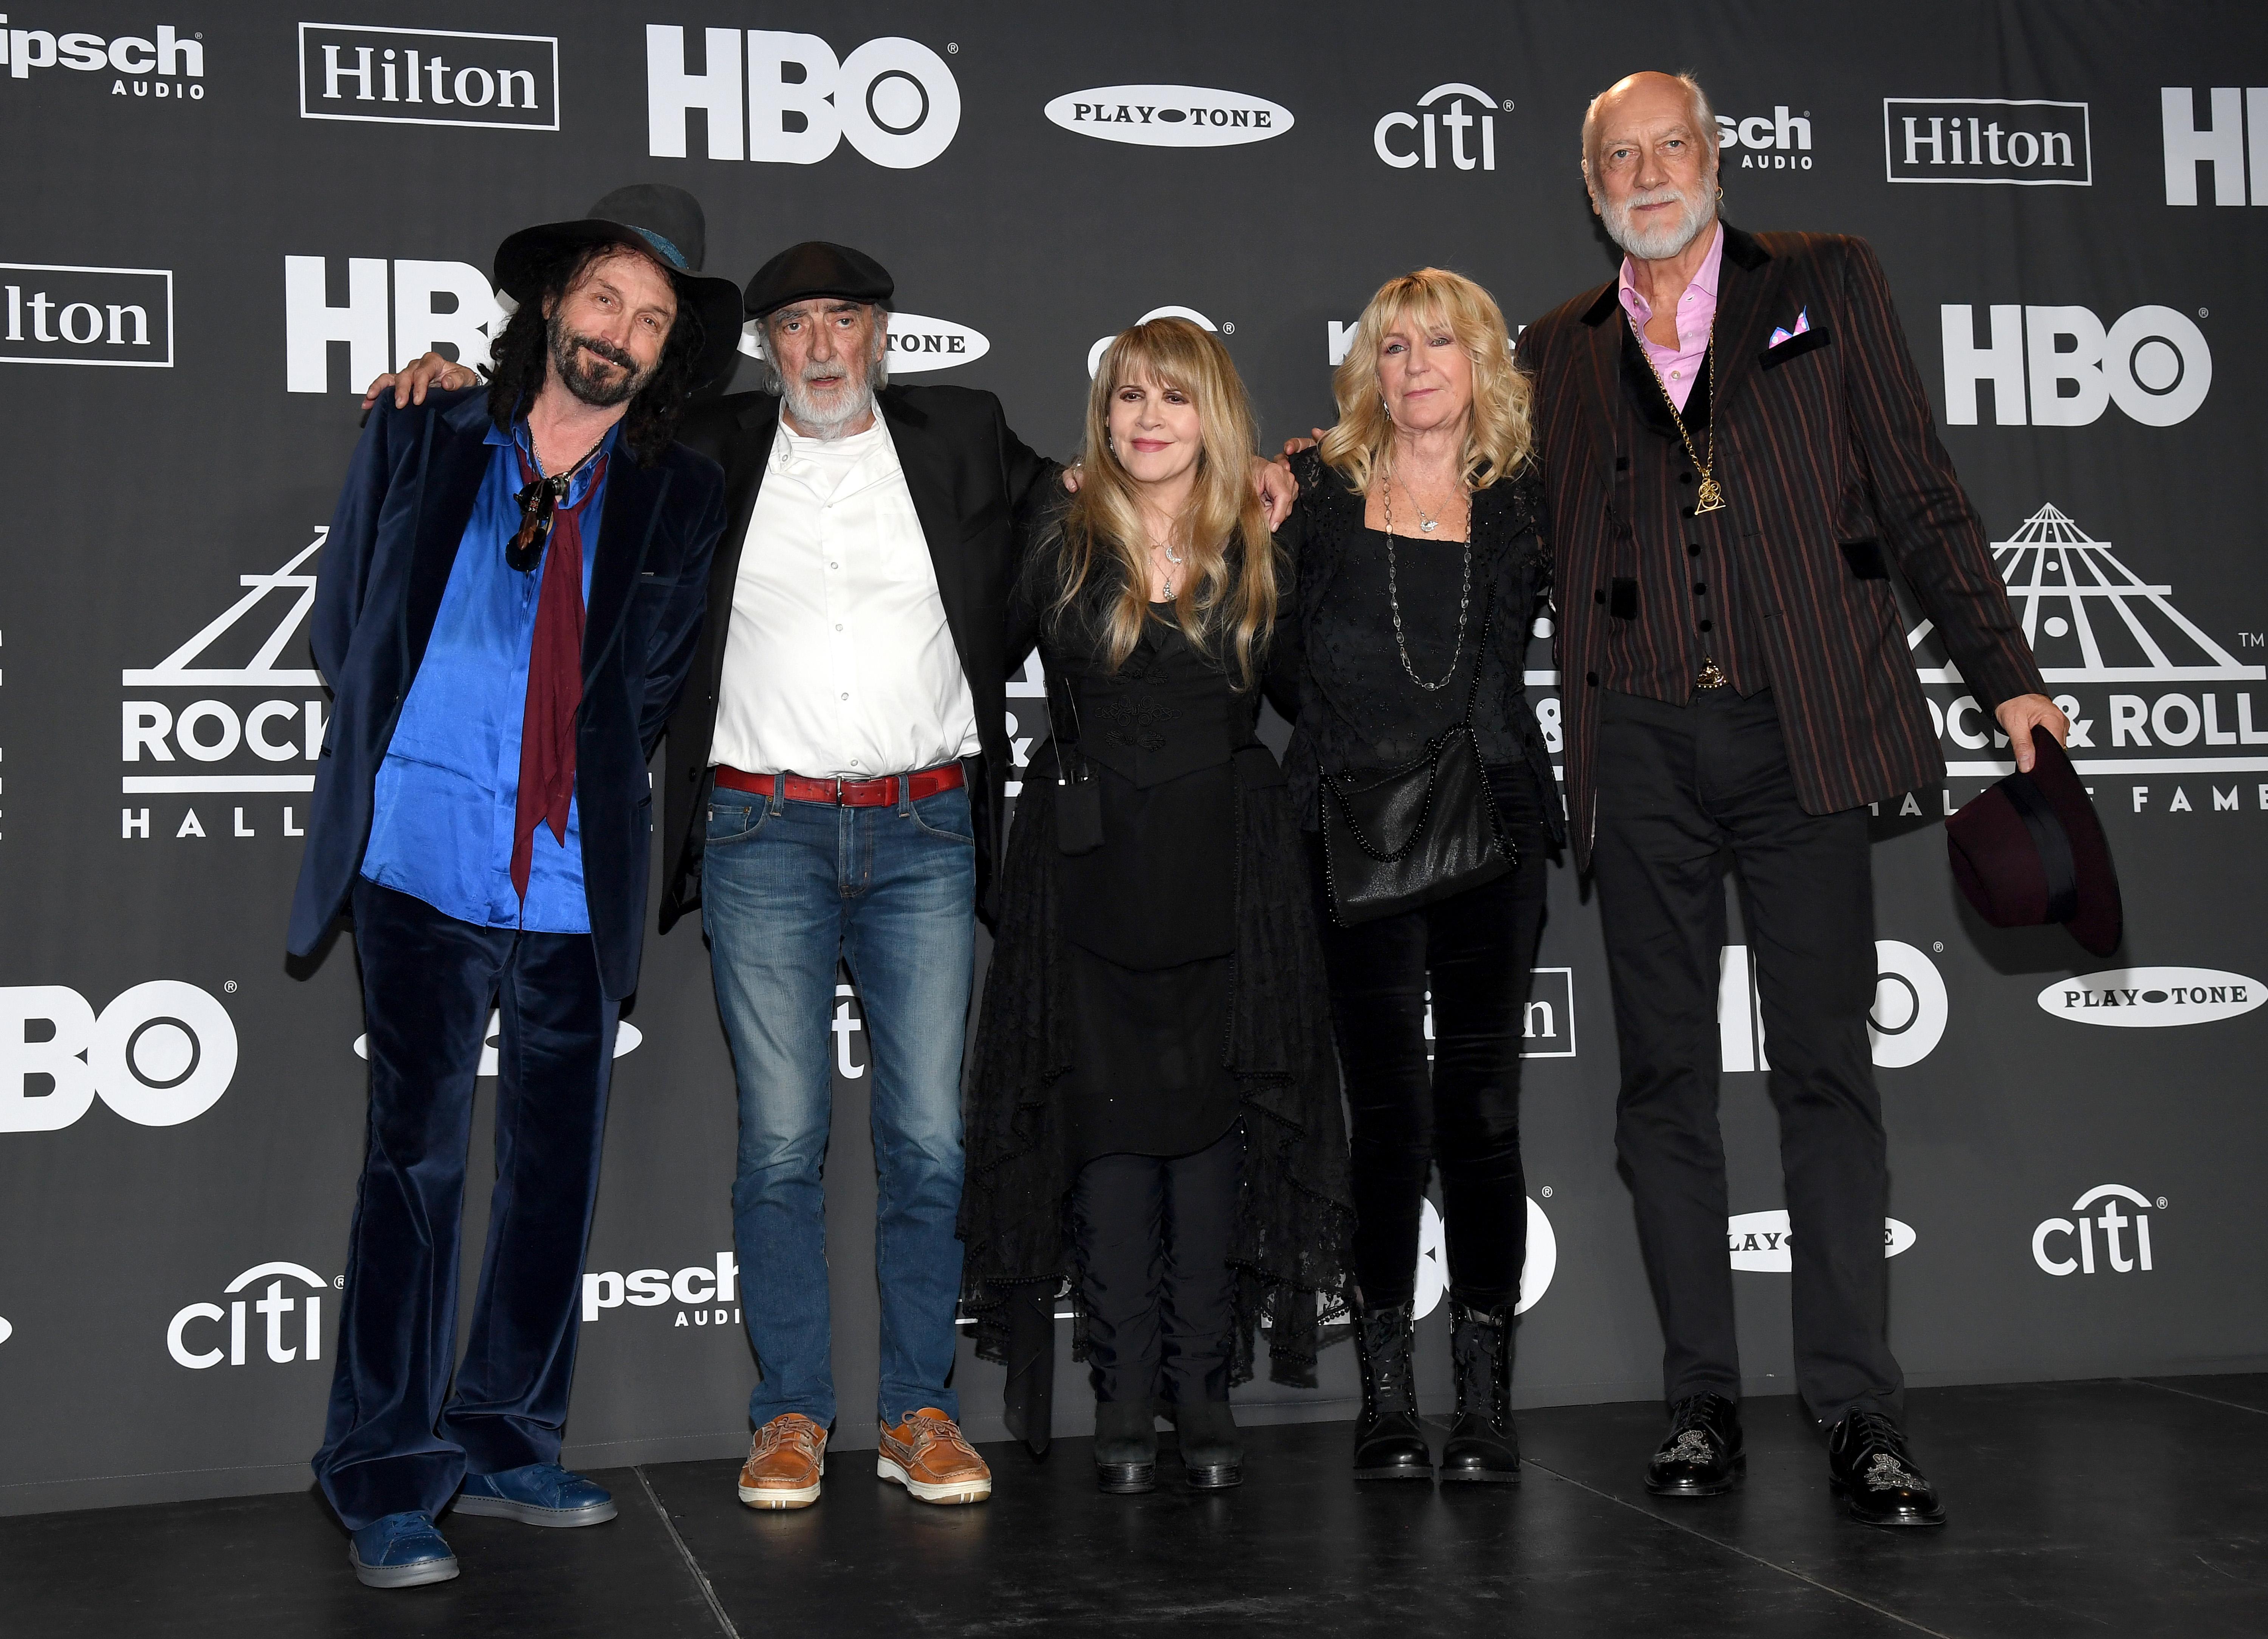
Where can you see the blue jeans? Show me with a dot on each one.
(787, 889)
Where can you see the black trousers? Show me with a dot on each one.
(398, 1438)
(1477, 951)
(1153, 1235)
(1677, 786)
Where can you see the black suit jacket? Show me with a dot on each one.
(400, 523)
(969, 475)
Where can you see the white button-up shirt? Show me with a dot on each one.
(838, 661)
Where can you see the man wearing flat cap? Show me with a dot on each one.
(510, 598)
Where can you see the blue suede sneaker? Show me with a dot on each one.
(541, 1494)
(399, 1551)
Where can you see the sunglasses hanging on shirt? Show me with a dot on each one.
(539, 502)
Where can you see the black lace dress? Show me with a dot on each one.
(1144, 996)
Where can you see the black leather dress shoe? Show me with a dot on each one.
(1870, 1469)
(1389, 1444)
(1703, 1456)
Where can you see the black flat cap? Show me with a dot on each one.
(813, 269)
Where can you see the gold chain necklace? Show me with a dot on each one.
(1709, 497)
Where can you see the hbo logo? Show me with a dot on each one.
(160, 1055)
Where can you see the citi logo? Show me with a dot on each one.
(2024, 144)
(915, 343)
(54, 314)
(1170, 116)
(146, 67)
(443, 306)
(627, 1040)
(1433, 1260)
(289, 1314)
(706, 1294)
(1903, 1025)
(161, 1054)
(2145, 998)
(1448, 125)
(1758, 1242)
(404, 77)
(2222, 144)
(2056, 1241)
(2070, 367)
(1779, 141)
(893, 99)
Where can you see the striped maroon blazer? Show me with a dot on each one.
(1830, 463)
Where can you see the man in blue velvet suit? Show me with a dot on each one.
(510, 599)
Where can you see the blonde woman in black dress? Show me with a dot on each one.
(1154, 1117)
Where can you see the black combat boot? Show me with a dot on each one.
(1388, 1444)
(1483, 1443)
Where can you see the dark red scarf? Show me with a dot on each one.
(555, 684)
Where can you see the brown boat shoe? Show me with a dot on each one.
(786, 1460)
(927, 1455)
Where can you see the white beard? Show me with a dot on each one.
(1658, 244)
(844, 408)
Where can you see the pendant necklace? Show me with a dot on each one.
(1172, 558)
(1394, 597)
(1709, 497)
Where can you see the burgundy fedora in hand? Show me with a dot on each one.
(2029, 851)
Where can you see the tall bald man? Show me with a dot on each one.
(1738, 448)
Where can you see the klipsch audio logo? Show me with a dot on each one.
(1904, 1024)
(1779, 141)
(894, 100)
(628, 1038)
(161, 1054)
(1987, 139)
(53, 314)
(164, 63)
(2222, 145)
(1433, 1260)
(705, 1294)
(434, 305)
(2151, 362)
(428, 76)
(290, 1323)
(2147, 690)
(2144, 999)
(915, 343)
(2062, 1246)
(1441, 129)
(1759, 1241)
(1170, 116)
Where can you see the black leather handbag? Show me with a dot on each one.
(1397, 838)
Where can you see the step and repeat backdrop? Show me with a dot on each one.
(228, 217)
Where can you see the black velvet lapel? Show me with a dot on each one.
(456, 458)
(635, 496)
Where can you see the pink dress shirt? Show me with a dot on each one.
(1694, 311)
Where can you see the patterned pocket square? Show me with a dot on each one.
(1802, 326)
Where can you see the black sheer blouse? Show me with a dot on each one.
(1337, 672)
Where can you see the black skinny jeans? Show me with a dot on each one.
(1478, 948)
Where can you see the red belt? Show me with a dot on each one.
(882, 793)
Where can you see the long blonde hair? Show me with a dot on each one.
(1501, 436)
(1229, 589)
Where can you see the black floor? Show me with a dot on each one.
(2134, 1509)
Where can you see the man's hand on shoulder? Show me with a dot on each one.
(1292, 446)
(411, 384)
(2018, 717)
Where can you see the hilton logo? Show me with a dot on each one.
(405, 77)
(51, 314)
(1987, 139)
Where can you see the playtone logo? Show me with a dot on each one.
(1780, 141)
(404, 77)
(706, 1294)
(2144, 999)
(2081, 1228)
(2153, 362)
(274, 1307)
(54, 314)
(628, 1038)
(916, 344)
(893, 99)
(1449, 121)
(1170, 116)
(1759, 1241)
(1987, 139)
(162, 66)
(161, 1054)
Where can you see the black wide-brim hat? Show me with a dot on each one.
(653, 217)
(802, 273)
(2030, 850)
